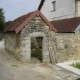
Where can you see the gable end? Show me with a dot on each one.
(24, 22)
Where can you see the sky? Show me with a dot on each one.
(16, 8)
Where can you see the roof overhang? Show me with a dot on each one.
(36, 13)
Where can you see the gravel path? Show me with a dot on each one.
(12, 69)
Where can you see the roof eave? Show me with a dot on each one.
(36, 13)
(8, 31)
(24, 23)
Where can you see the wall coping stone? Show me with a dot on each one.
(67, 66)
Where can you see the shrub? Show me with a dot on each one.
(1, 39)
(77, 65)
(37, 53)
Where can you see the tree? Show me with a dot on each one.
(2, 20)
(7, 23)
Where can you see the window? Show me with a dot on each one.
(54, 5)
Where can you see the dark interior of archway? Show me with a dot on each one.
(36, 47)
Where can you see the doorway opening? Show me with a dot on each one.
(36, 49)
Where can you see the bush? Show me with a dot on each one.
(77, 65)
(1, 39)
(37, 53)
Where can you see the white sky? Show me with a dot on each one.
(15, 8)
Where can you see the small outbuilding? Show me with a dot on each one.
(33, 35)
(21, 34)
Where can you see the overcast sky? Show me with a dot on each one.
(15, 8)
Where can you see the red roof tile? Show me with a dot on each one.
(66, 25)
(18, 24)
(14, 24)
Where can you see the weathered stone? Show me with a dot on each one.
(67, 45)
(64, 74)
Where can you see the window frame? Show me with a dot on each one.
(54, 6)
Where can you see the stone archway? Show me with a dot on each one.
(36, 49)
(27, 49)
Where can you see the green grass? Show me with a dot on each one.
(77, 65)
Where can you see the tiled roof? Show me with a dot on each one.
(66, 25)
(18, 24)
(14, 24)
(41, 3)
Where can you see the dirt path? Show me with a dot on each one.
(15, 70)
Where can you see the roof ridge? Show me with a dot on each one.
(20, 22)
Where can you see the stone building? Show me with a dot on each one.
(19, 33)
(64, 15)
(59, 43)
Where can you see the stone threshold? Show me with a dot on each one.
(67, 66)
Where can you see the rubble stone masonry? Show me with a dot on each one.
(63, 46)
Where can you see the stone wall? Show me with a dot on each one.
(67, 46)
(35, 28)
(12, 44)
(62, 46)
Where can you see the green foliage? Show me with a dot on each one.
(77, 65)
(1, 39)
(7, 23)
(2, 20)
(37, 53)
(3, 24)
